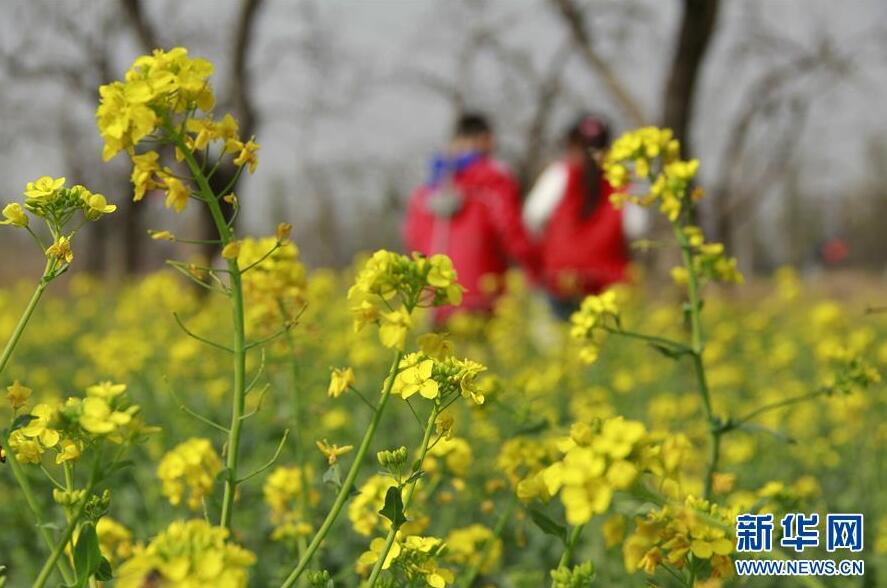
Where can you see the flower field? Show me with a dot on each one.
(257, 422)
(805, 456)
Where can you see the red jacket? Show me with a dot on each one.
(583, 253)
(481, 236)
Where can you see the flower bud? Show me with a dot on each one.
(97, 506)
(17, 395)
(319, 578)
(14, 214)
(68, 497)
(580, 576)
(393, 459)
(162, 235)
(283, 232)
(232, 250)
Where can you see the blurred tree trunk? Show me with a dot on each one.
(238, 100)
(696, 30)
(133, 214)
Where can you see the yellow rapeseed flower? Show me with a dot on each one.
(340, 380)
(61, 250)
(43, 189)
(14, 214)
(332, 451)
(191, 466)
(17, 395)
(188, 554)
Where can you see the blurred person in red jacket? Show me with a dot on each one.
(582, 236)
(469, 209)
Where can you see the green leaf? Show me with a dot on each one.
(393, 509)
(104, 573)
(547, 525)
(87, 556)
(224, 475)
(114, 469)
(20, 421)
(667, 351)
(333, 476)
(533, 427)
(756, 428)
(414, 477)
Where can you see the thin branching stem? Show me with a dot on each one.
(200, 338)
(270, 462)
(262, 258)
(778, 404)
(362, 397)
(407, 491)
(259, 373)
(193, 413)
(259, 403)
(345, 489)
(238, 397)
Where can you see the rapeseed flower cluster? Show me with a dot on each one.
(49, 199)
(192, 467)
(289, 498)
(67, 428)
(709, 260)
(188, 554)
(595, 317)
(115, 540)
(438, 379)
(679, 535)
(156, 91)
(597, 462)
(413, 558)
(391, 285)
(275, 281)
(652, 156)
(474, 545)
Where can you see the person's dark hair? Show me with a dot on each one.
(472, 124)
(590, 133)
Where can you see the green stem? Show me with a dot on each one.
(779, 404)
(570, 546)
(36, 510)
(26, 316)
(652, 339)
(18, 473)
(713, 459)
(345, 490)
(407, 498)
(238, 400)
(59, 548)
(698, 347)
(298, 451)
(472, 571)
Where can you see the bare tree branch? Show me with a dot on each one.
(574, 18)
(547, 92)
(696, 30)
(140, 24)
(239, 93)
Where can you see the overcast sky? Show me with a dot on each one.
(342, 116)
